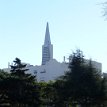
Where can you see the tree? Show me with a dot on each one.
(105, 8)
(82, 84)
(61, 93)
(4, 99)
(47, 93)
(23, 91)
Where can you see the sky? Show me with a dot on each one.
(73, 24)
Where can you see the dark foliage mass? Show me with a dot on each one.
(82, 84)
(17, 88)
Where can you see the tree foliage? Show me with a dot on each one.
(19, 87)
(105, 8)
(82, 84)
(4, 99)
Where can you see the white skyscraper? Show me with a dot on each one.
(47, 48)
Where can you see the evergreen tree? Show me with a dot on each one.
(83, 83)
(4, 99)
(23, 91)
(47, 93)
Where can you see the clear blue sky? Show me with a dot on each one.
(72, 24)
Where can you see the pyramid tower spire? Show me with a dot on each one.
(47, 48)
(47, 35)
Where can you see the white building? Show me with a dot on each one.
(47, 48)
(50, 69)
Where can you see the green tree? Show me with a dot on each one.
(4, 99)
(82, 84)
(61, 97)
(23, 91)
(47, 93)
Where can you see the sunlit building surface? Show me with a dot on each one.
(51, 69)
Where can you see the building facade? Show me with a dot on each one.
(47, 48)
(50, 69)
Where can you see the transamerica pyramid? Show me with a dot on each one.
(47, 48)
